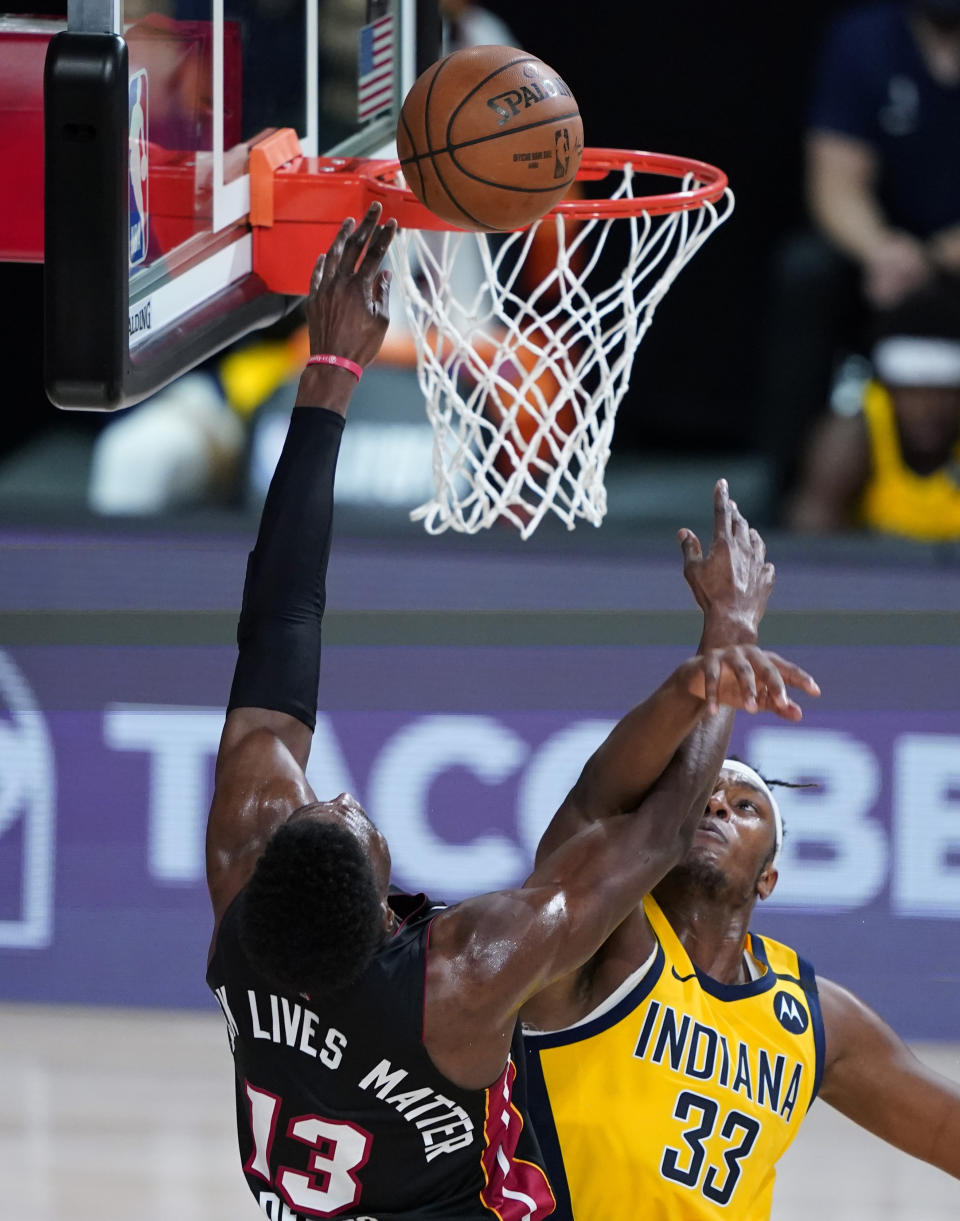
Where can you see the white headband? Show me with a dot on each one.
(911, 360)
(743, 772)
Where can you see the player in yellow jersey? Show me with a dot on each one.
(893, 465)
(670, 1072)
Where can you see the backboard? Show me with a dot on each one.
(147, 114)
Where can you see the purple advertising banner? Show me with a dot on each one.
(460, 755)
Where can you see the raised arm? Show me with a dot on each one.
(273, 702)
(873, 1078)
(732, 584)
(491, 954)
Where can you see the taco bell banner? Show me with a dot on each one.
(460, 756)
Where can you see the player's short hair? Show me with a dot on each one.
(311, 916)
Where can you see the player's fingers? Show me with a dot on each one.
(759, 546)
(381, 293)
(377, 250)
(357, 241)
(790, 710)
(773, 695)
(776, 693)
(331, 264)
(721, 509)
(771, 678)
(794, 675)
(317, 274)
(711, 683)
(689, 545)
(743, 672)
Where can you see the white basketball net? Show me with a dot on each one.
(522, 385)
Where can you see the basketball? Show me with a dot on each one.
(490, 138)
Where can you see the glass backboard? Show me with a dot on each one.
(150, 112)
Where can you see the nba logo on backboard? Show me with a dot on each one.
(139, 167)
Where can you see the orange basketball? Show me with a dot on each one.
(490, 138)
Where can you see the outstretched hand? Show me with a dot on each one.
(348, 305)
(732, 582)
(747, 677)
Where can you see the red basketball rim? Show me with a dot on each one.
(710, 184)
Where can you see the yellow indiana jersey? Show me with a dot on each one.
(896, 500)
(675, 1103)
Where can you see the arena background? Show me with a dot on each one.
(464, 681)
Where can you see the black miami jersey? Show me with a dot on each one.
(340, 1111)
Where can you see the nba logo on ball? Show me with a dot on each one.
(139, 166)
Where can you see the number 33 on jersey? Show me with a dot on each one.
(675, 1103)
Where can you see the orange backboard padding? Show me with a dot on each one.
(281, 147)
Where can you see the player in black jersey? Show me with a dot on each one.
(373, 1034)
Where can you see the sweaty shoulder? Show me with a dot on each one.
(479, 971)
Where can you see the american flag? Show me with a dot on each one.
(375, 72)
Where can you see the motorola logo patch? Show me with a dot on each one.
(790, 1013)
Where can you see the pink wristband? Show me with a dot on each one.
(342, 362)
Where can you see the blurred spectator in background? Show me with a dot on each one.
(892, 465)
(179, 449)
(883, 185)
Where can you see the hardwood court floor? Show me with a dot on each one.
(126, 1115)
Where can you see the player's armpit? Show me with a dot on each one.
(573, 997)
(873, 1078)
(259, 784)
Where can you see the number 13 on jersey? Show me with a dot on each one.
(337, 1151)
